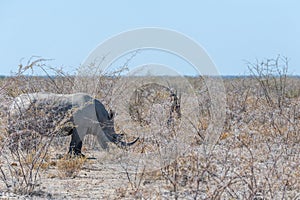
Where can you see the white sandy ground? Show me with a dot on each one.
(103, 177)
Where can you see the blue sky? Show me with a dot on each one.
(232, 32)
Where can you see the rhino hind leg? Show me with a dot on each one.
(75, 144)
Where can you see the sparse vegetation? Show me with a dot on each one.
(256, 157)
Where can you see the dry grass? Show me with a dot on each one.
(256, 157)
(69, 167)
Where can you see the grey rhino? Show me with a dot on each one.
(76, 115)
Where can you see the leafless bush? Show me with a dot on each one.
(24, 147)
(271, 74)
(20, 171)
(24, 153)
(256, 157)
(98, 83)
(144, 98)
(38, 76)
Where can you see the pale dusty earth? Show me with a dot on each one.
(97, 179)
(102, 176)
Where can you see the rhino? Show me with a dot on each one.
(66, 114)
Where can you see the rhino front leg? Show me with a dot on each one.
(75, 144)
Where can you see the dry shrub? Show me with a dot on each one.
(26, 137)
(144, 99)
(21, 170)
(257, 155)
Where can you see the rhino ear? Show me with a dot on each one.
(111, 114)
